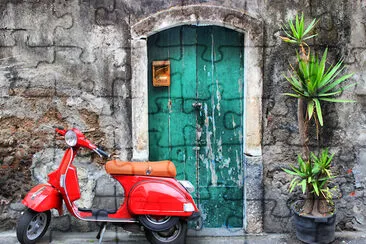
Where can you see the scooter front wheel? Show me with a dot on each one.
(32, 226)
(175, 235)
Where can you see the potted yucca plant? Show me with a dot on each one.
(313, 82)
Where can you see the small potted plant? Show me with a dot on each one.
(313, 82)
(314, 217)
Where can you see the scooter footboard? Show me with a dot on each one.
(167, 200)
(43, 197)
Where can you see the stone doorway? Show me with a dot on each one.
(208, 15)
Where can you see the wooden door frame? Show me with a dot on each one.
(253, 75)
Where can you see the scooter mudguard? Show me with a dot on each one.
(158, 198)
(43, 197)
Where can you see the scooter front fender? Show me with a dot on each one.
(43, 197)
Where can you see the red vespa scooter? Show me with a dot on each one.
(153, 197)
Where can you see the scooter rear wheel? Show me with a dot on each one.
(175, 235)
(158, 223)
(32, 226)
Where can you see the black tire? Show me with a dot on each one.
(158, 223)
(175, 235)
(32, 226)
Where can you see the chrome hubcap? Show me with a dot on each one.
(157, 220)
(168, 235)
(36, 226)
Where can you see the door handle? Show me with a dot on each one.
(197, 105)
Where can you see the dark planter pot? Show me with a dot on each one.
(310, 229)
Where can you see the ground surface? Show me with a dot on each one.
(126, 238)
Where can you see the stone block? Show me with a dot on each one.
(254, 194)
(19, 207)
(105, 17)
(105, 187)
(44, 162)
(6, 39)
(60, 223)
(35, 19)
(82, 226)
(359, 171)
(360, 78)
(105, 4)
(362, 137)
(110, 203)
(273, 222)
(63, 7)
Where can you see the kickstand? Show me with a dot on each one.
(101, 232)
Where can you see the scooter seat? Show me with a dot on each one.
(160, 168)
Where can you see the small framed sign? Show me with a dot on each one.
(161, 73)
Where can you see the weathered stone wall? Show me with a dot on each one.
(64, 64)
(69, 63)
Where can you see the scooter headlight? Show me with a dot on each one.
(71, 138)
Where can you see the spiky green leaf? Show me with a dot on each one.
(336, 82)
(318, 111)
(310, 27)
(293, 184)
(310, 109)
(316, 189)
(330, 94)
(292, 95)
(303, 186)
(290, 172)
(335, 100)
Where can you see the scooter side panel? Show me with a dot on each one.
(72, 185)
(156, 197)
(43, 197)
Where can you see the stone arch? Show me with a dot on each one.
(207, 15)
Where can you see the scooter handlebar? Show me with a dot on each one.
(102, 153)
(83, 142)
(60, 130)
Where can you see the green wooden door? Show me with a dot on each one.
(197, 122)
